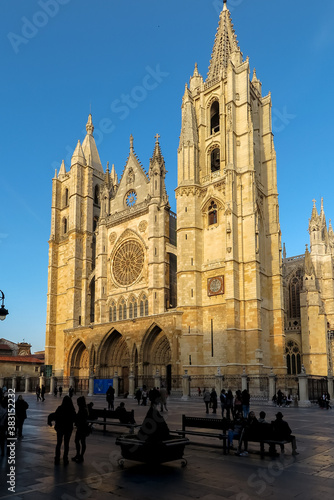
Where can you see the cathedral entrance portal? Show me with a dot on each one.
(156, 357)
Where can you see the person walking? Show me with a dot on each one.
(21, 407)
(64, 417)
(43, 393)
(206, 399)
(60, 390)
(82, 430)
(38, 393)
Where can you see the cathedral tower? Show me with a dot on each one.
(229, 241)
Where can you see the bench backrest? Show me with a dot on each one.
(205, 423)
(104, 413)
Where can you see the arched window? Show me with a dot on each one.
(66, 198)
(64, 225)
(97, 195)
(293, 358)
(122, 310)
(112, 312)
(214, 118)
(133, 308)
(143, 308)
(295, 286)
(215, 160)
(212, 214)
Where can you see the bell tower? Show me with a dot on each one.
(228, 232)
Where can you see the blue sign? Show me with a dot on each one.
(101, 385)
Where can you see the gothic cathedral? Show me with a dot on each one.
(135, 291)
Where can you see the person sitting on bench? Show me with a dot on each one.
(123, 415)
(282, 432)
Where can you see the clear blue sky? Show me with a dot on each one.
(73, 54)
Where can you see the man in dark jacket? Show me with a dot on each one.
(282, 432)
(64, 417)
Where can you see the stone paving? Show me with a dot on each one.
(209, 475)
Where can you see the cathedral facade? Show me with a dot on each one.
(136, 291)
(308, 283)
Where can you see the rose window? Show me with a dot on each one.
(128, 263)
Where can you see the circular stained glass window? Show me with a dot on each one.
(128, 262)
(131, 198)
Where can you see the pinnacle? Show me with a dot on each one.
(89, 125)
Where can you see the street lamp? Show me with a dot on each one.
(3, 310)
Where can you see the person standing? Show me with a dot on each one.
(223, 401)
(21, 407)
(214, 400)
(245, 399)
(110, 397)
(43, 393)
(60, 391)
(163, 398)
(229, 404)
(138, 395)
(82, 430)
(64, 417)
(206, 399)
(144, 395)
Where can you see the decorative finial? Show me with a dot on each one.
(90, 126)
(108, 166)
(314, 202)
(225, 6)
(157, 137)
(131, 143)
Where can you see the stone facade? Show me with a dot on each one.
(309, 301)
(123, 299)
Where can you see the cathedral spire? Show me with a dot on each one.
(225, 45)
(78, 155)
(89, 147)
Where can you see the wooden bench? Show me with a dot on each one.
(219, 424)
(265, 435)
(105, 417)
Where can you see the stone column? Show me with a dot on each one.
(115, 384)
(157, 379)
(219, 383)
(27, 384)
(52, 384)
(244, 380)
(272, 386)
(91, 385)
(41, 381)
(185, 386)
(131, 384)
(303, 390)
(2, 382)
(14, 382)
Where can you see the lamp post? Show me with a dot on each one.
(3, 310)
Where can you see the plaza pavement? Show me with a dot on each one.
(209, 475)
